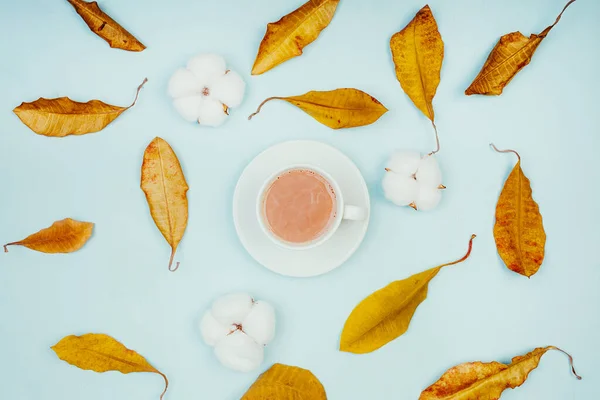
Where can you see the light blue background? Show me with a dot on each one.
(119, 284)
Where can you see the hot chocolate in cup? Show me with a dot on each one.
(301, 207)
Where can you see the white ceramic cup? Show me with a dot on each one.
(343, 211)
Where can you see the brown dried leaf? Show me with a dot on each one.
(65, 236)
(287, 37)
(510, 55)
(519, 231)
(284, 382)
(339, 108)
(386, 314)
(105, 27)
(165, 187)
(100, 353)
(62, 116)
(418, 52)
(477, 380)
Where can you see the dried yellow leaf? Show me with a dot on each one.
(100, 353)
(477, 380)
(287, 37)
(386, 314)
(418, 52)
(519, 231)
(339, 108)
(165, 187)
(510, 55)
(62, 116)
(64, 236)
(285, 382)
(105, 27)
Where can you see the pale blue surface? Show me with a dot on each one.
(119, 283)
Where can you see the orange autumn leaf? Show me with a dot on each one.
(339, 108)
(519, 231)
(386, 314)
(64, 236)
(418, 52)
(62, 116)
(101, 353)
(510, 55)
(166, 189)
(285, 382)
(286, 38)
(478, 380)
(106, 27)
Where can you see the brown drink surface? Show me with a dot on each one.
(299, 206)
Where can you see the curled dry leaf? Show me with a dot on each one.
(418, 52)
(386, 314)
(519, 231)
(287, 37)
(285, 382)
(106, 27)
(478, 380)
(165, 187)
(62, 116)
(339, 108)
(65, 236)
(100, 353)
(510, 55)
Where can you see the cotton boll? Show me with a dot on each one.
(260, 323)
(239, 352)
(189, 107)
(207, 67)
(183, 83)
(219, 90)
(428, 198)
(211, 113)
(232, 308)
(229, 89)
(429, 172)
(212, 330)
(404, 162)
(399, 189)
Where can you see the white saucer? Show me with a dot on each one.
(300, 263)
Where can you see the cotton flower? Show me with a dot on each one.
(205, 90)
(239, 328)
(413, 180)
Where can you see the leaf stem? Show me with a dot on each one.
(11, 244)
(545, 32)
(437, 139)
(564, 352)
(262, 104)
(137, 93)
(473, 236)
(166, 383)
(505, 151)
(171, 262)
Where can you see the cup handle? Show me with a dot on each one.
(354, 213)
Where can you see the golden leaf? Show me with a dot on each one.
(510, 55)
(64, 236)
(105, 27)
(339, 108)
(62, 116)
(101, 353)
(386, 314)
(518, 231)
(284, 382)
(477, 380)
(287, 37)
(165, 187)
(418, 52)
